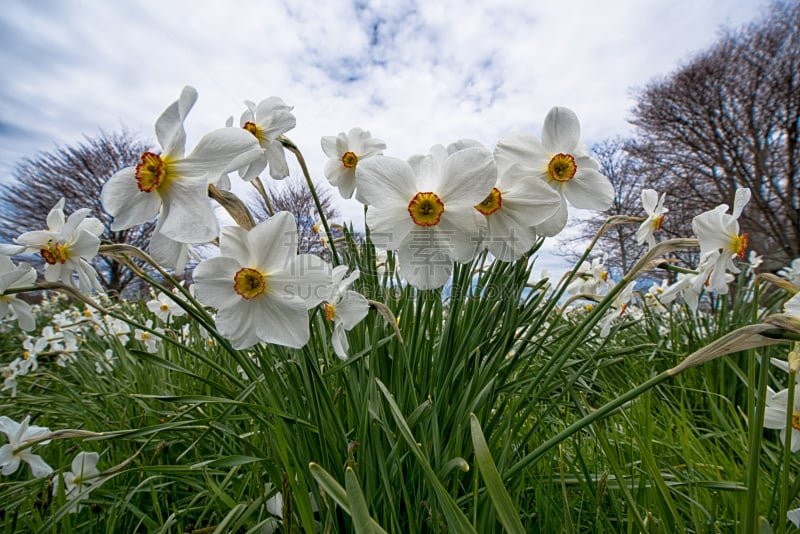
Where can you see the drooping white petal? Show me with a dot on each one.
(556, 223)
(561, 131)
(386, 182)
(339, 341)
(126, 203)
(423, 263)
(710, 229)
(214, 282)
(283, 322)
(741, 198)
(506, 239)
(273, 242)
(217, 152)
(520, 148)
(468, 176)
(169, 126)
(459, 233)
(55, 219)
(278, 168)
(590, 190)
(527, 200)
(238, 323)
(186, 215)
(351, 309)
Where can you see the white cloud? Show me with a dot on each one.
(414, 73)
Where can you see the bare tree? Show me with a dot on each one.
(620, 241)
(76, 173)
(728, 119)
(294, 196)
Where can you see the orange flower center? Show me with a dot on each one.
(330, 312)
(150, 172)
(492, 203)
(54, 253)
(349, 160)
(562, 168)
(796, 421)
(739, 244)
(254, 129)
(249, 283)
(657, 222)
(426, 209)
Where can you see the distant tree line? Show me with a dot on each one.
(728, 118)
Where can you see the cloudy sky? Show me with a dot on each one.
(414, 73)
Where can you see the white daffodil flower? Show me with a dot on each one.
(79, 481)
(720, 242)
(172, 186)
(516, 204)
(262, 288)
(267, 121)
(345, 307)
(12, 453)
(792, 272)
(67, 247)
(424, 208)
(775, 415)
(591, 278)
(792, 306)
(13, 277)
(165, 308)
(562, 162)
(654, 207)
(345, 151)
(151, 341)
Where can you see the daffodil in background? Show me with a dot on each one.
(516, 204)
(79, 481)
(267, 121)
(720, 241)
(15, 451)
(67, 247)
(561, 161)
(13, 277)
(345, 307)
(345, 151)
(424, 208)
(262, 288)
(654, 207)
(173, 186)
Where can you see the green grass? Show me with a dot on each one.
(444, 430)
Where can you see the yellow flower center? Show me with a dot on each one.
(349, 160)
(26, 355)
(330, 312)
(426, 209)
(87, 313)
(604, 276)
(492, 203)
(796, 420)
(254, 129)
(151, 171)
(657, 222)
(54, 253)
(562, 168)
(164, 307)
(739, 244)
(145, 336)
(249, 283)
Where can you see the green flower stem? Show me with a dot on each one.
(756, 426)
(605, 410)
(787, 455)
(291, 147)
(259, 185)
